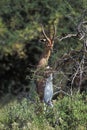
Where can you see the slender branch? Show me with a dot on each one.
(79, 32)
(67, 36)
(60, 91)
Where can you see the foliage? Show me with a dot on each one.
(20, 30)
(22, 18)
(20, 26)
(68, 113)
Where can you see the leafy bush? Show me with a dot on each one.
(69, 113)
(20, 24)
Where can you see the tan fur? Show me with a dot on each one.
(43, 63)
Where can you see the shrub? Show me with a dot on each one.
(69, 113)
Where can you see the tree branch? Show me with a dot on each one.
(67, 36)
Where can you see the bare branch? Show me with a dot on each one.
(67, 36)
(80, 32)
(79, 27)
(60, 91)
(80, 72)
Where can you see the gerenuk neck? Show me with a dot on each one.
(44, 58)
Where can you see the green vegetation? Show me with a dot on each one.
(20, 31)
(69, 113)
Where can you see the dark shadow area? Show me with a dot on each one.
(16, 71)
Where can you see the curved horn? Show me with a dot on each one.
(44, 33)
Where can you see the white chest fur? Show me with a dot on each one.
(48, 90)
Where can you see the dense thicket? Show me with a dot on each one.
(20, 30)
(20, 49)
